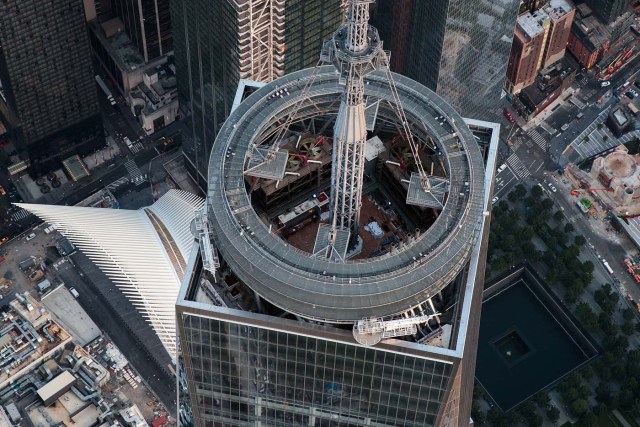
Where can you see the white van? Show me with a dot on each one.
(74, 292)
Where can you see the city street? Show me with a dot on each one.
(125, 326)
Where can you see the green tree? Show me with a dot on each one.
(628, 314)
(553, 414)
(605, 323)
(588, 266)
(557, 215)
(590, 420)
(579, 407)
(542, 399)
(628, 328)
(572, 294)
(536, 192)
(535, 420)
(568, 228)
(602, 409)
(586, 316)
(580, 240)
(547, 204)
(527, 409)
(479, 417)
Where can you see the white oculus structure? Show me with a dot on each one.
(144, 252)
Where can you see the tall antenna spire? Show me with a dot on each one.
(354, 50)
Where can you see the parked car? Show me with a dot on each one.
(31, 236)
(552, 187)
(509, 116)
(502, 167)
(605, 84)
(494, 200)
(74, 292)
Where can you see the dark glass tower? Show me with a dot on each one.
(148, 24)
(609, 10)
(458, 48)
(216, 44)
(47, 79)
(279, 329)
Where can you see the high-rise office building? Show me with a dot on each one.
(527, 50)
(609, 10)
(561, 14)
(344, 309)
(218, 43)
(458, 48)
(49, 92)
(148, 24)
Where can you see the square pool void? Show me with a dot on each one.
(512, 347)
(528, 340)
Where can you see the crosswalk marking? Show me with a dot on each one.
(115, 184)
(516, 144)
(136, 147)
(538, 139)
(134, 172)
(518, 168)
(19, 215)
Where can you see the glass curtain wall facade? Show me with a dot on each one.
(245, 369)
(308, 25)
(209, 48)
(609, 10)
(458, 48)
(48, 80)
(148, 24)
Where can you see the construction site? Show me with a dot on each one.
(612, 184)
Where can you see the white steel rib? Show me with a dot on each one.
(142, 251)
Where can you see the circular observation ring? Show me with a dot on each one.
(321, 289)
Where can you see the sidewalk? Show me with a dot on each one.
(563, 99)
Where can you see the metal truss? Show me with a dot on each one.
(261, 42)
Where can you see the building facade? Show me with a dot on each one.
(589, 39)
(561, 13)
(148, 24)
(216, 45)
(527, 50)
(458, 48)
(275, 331)
(540, 40)
(49, 93)
(609, 10)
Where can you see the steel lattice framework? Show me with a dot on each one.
(319, 287)
(350, 130)
(144, 252)
(261, 38)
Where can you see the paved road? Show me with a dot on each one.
(149, 360)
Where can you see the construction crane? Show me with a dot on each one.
(576, 192)
(355, 51)
(370, 331)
